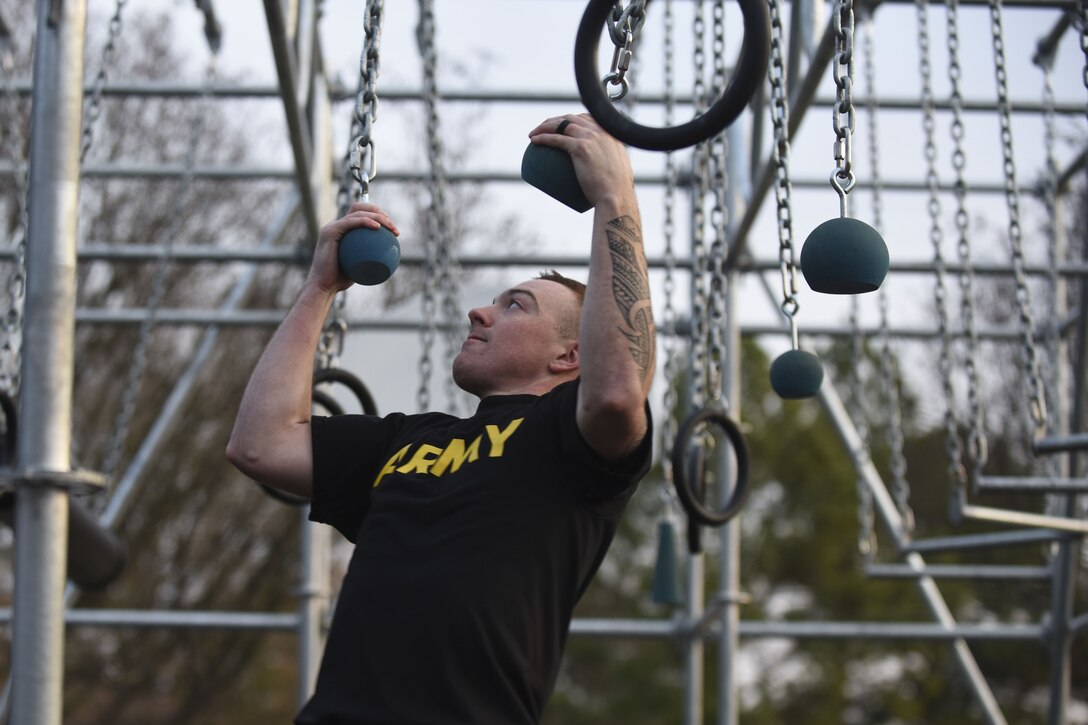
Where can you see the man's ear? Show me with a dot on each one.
(567, 362)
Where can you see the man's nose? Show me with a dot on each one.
(478, 315)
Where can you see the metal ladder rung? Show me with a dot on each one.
(1031, 484)
(1023, 518)
(984, 541)
(1061, 444)
(957, 571)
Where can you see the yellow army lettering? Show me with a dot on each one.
(437, 461)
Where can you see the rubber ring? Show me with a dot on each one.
(750, 71)
(691, 502)
(352, 383)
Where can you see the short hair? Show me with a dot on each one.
(571, 328)
(573, 285)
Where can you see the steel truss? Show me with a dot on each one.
(307, 98)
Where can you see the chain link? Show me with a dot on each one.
(360, 168)
(15, 141)
(442, 276)
(976, 434)
(780, 121)
(1053, 343)
(1082, 12)
(158, 281)
(701, 185)
(843, 114)
(953, 446)
(900, 486)
(718, 151)
(623, 25)
(1037, 403)
(363, 154)
(668, 322)
(94, 105)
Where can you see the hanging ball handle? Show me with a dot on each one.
(369, 256)
(692, 503)
(796, 374)
(844, 256)
(749, 74)
(552, 171)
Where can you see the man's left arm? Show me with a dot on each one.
(617, 341)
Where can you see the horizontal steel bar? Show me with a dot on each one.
(265, 317)
(342, 93)
(243, 173)
(957, 571)
(985, 541)
(890, 630)
(1024, 518)
(1061, 444)
(123, 252)
(175, 619)
(1031, 484)
(636, 628)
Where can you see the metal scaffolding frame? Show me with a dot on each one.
(43, 474)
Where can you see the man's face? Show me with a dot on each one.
(514, 341)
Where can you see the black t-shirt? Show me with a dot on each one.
(474, 540)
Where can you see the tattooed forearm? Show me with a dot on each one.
(631, 290)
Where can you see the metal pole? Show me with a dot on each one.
(729, 596)
(313, 596)
(41, 508)
(1063, 589)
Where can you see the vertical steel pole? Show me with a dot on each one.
(1063, 584)
(694, 595)
(41, 510)
(729, 595)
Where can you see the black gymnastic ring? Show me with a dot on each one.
(321, 400)
(750, 71)
(692, 503)
(11, 437)
(352, 383)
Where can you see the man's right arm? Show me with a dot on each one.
(270, 442)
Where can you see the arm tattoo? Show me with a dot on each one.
(631, 290)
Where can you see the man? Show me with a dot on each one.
(474, 537)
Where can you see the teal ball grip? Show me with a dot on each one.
(369, 256)
(552, 171)
(796, 374)
(844, 256)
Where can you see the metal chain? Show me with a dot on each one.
(1036, 404)
(1082, 12)
(439, 227)
(158, 281)
(953, 446)
(360, 168)
(13, 134)
(718, 150)
(900, 486)
(866, 538)
(701, 185)
(363, 155)
(976, 434)
(623, 25)
(94, 106)
(780, 121)
(1049, 195)
(866, 517)
(668, 322)
(843, 115)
